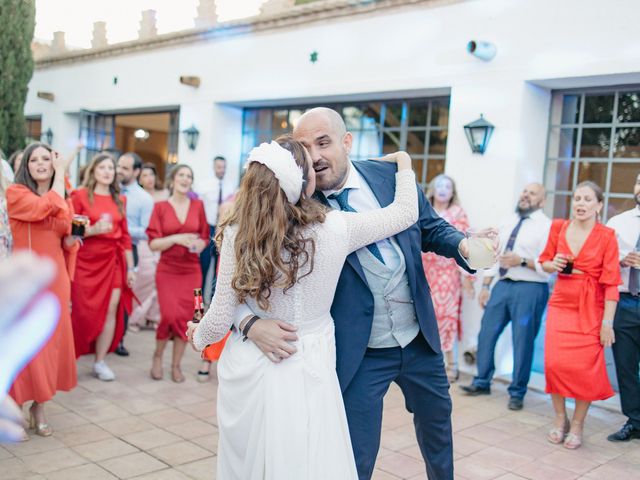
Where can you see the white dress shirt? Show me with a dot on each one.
(530, 242)
(627, 227)
(209, 193)
(362, 199)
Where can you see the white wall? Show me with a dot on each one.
(419, 47)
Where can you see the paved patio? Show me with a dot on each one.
(139, 428)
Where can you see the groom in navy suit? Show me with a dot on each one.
(385, 325)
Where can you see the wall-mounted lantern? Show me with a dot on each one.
(478, 134)
(191, 135)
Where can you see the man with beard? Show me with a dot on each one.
(626, 324)
(519, 296)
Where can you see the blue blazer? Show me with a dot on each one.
(352, 307)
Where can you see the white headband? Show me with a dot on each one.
(280, 161)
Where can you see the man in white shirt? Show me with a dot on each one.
(213, 192)
(519, 296)
(626, 324)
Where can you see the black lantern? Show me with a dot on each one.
(191, 134)
(48, 136)
(478, 134)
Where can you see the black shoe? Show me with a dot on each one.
(122, 351)
(626, 433)
(515, 403)
(474, 391)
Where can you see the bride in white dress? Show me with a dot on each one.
(286, 421)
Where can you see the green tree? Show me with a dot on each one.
(17, 22)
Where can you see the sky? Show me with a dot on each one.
(76, 17)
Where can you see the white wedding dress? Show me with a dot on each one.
(286, 421)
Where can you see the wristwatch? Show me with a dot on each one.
(523, 262)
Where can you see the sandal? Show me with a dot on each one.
(573, 440)
(156, 368)
(176, 374)
(453, 374)
(557, 434)
(43, 429)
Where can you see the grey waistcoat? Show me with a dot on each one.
(394, 316)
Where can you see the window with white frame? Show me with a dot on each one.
(593, 135)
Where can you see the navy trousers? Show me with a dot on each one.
(522, 304)
(626, 352)
(209, 259)
(421, 376)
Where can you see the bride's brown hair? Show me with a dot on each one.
(271, 244)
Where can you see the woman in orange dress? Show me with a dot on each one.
(580, 314)
(101, 290)
(446, 279)
(40, 220)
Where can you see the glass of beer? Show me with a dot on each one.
(108, 219)
(483, 245)
(78, 225)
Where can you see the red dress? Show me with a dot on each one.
(444, 277)
(574, 358)
(178, 271)
(101, 268)
(40, 223)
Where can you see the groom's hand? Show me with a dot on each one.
(272, 337)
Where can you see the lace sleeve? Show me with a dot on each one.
(369, 227)
(219, 318)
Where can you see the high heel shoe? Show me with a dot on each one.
(176, 374)
(453, 374)
(156, 368)
(557, 434)
(42, 429)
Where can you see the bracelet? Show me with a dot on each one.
(248, 326)
(487, 286)
(608, 322)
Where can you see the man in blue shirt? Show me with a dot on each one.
(139, 208)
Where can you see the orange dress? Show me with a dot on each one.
(40, 223)
(574, 358)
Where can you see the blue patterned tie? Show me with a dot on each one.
(511, 242)
(634, 275)
(343, 200)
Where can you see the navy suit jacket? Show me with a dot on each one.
(352, 307)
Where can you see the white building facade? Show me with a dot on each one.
(563, 91)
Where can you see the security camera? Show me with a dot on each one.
(481, 49)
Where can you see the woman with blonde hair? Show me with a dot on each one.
(446, 280)
(282, 253)
(101, 290)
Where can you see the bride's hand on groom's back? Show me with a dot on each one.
(272, 337)
(400, 157)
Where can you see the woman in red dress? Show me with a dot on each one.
(580, 314)
(40, 219)
(446, 279)
(178, 228)
(101, 290)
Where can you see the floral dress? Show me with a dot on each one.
(445, 279)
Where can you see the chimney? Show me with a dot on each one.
(274, 7)
(99, 35)
(207, 16)
(148, 27)
(58, 44)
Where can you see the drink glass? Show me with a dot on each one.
(568, 269)
(483, 245)
(78, 225)
(108, 219)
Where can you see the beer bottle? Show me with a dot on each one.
(198, 305)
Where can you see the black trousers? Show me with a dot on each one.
(626, 352)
